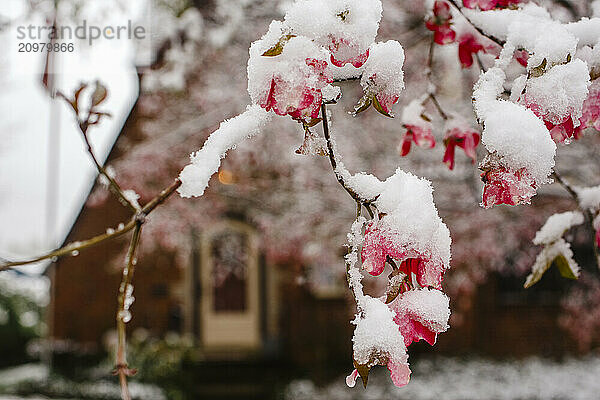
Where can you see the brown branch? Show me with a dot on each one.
(478, 29)
(123, 314)
(112, 183)
(429, 74)
(333, 160)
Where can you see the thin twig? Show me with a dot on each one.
(123, 316)
(478, 29)
(432, 88)
(82, 245)
(332, 158)
(112, 183)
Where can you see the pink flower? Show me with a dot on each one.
(421, 314)
(301, 102)
(598, 238)
(421, 135)
(522, 56)
(483, 5)
(505, 186)
(379, 244)
(399, 372)
(440, 23)
(465, 138)
(560, 132)
(591, 108)
(344, 52)
(467, 46)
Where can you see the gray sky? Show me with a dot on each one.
(25, 134)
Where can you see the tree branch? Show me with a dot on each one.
(333, 160)
(478, 29)
(82, 245)
(123, 315)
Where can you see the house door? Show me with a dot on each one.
(229, 278)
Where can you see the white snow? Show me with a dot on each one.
(556, 226)
(382, 72)
(560, 92)
(545, 258)
(589, 197)
(377, 338)
(206, 161)
(354, 21)
(412, 218)
(520, 139)
(430, 307)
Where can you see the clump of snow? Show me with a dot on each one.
(560, 92)
(205, 162)
(589, 197)
(412, 114)
(412, 220)
(365, 185)
(327, 22)
(382, 72)
(290, 66)
(520, 139)
(430, 307)
(377, 339)
(556, 226)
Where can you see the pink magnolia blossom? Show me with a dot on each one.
(421, 135)
(344, 52)
(379, 244)
(464, 137)
(439, 23)
(505, 186)
(306, 103)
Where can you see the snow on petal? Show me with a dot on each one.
(421, 314)
(409, 231)
(206, 161)
(377, 339)
(382, 74)
(519, 139)
(559, 93)
(345, 27)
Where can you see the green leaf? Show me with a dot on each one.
(363, 104)
(379, 108)
(278, 48)
(564, 267)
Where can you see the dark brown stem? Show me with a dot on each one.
(123, 315)
(481, 32)
(332, 158)
(431, 95)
